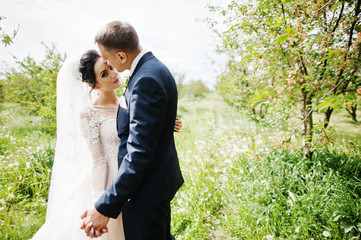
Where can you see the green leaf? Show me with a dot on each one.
(289, 30)
(6, 39)
(337, 105)
(347, 227)
(336, 5)
(281, 39)
(248, 57)
(258, 97)
(276, 25)
(334, 97)
(350, 97)
(278, 19)
(324, 105)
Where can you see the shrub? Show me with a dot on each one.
(196, 89)
(33, 85)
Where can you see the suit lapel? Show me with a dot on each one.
(145, 58)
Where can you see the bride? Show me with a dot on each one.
(86, 151)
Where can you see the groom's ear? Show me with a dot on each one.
(123, 57)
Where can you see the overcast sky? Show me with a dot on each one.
(166, 27)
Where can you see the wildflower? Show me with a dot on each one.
(326, 234)
(268, 237)
(2, 201)
(15, 164)
(11, 196)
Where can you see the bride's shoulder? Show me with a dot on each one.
(88, 112)
(86, 109)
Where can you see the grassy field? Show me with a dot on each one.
(26, 155)
(237, 186)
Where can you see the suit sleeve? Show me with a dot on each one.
(147, 107)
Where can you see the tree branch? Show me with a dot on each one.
(339, 17)
(357, 11)
(313, 108)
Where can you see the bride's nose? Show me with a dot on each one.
(115, 73)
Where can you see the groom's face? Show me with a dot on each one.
(113, 58)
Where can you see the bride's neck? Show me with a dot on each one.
(106, 98)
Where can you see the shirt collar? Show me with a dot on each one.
(136, 61)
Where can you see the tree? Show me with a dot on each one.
(304, 49)
(190, 89)
(33, 85)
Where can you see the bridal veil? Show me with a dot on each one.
(71, 181)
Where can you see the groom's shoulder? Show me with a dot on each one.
(155, 66)
(151, 59)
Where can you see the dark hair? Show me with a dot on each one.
(86, 68)
(118, 35)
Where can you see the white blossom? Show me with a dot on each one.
(268, 237)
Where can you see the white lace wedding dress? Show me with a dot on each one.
(98, 126)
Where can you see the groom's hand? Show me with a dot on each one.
(94, 223)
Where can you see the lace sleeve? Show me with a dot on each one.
(90, 124)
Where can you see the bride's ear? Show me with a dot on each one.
(122, 56)
(91, 86)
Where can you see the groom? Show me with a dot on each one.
(149, 174)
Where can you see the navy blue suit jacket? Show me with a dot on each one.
(149, 171)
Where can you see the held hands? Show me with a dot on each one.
(94, 223)
(178, 125)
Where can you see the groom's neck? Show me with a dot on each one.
(133, 55)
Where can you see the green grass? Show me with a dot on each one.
(344, 126)
(26, 156)
(233, 190)
(237, 185)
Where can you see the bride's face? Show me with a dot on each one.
(106, 76)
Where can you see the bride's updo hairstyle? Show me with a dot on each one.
(117, 36)
(86, 68)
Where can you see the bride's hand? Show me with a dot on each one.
(94, 223)
(178, 125)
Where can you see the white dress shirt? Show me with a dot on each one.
(136, 61)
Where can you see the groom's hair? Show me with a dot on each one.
(117, 36)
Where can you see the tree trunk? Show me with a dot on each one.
(308, 123)
(263, 111)
(352, 111)
(327, 118)
(354, 114)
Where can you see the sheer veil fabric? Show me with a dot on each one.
(70, 192)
